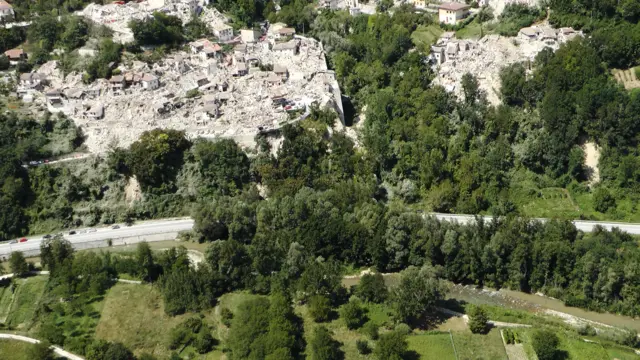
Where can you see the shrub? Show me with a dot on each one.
(204, 342)
(41, 351)
(323, 346)
(637, 72)
(478, 320)
(178, 336)
(371, 330)
(403, 329)
(587, 330)
(4, 62)
(363, 347)
(545, 343)
(603, 200)
(192, 93)
(226, 315)
(372, 288)
(392, 346)
(353, 314)
(319, 308)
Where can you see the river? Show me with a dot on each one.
(520, 301)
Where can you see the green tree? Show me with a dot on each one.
(204, 342)
(513, 84)
(44, 31)
(323, 346)
(478, 320)
(353, 314)
(471, 88)
(319, 308)
(18, 264)
(57, 255)
(223, 165)
(4, 63)
(372, 288)
(391, 346)
(545, 344)
(156, 157)
(417, 293)
(363, 347)
(74, 34)
(603, 200)
(226, 315)
(250, 323)
(49, 331)
(157, 30)
(371, 329)
(144, 258)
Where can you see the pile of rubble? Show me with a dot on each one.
(484, 58)
(117, 15)
(204, 91)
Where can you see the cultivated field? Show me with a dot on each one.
(432, 346)
(627, 77)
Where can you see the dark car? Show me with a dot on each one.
(48, 236)
(72, 232)
(114, 227)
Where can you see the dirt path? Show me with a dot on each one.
(58, 350)
(592, 157)
(132, 191)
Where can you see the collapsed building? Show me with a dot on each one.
(484, 58)
(257, 86)
(118, 15)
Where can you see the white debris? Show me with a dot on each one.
(224, 96)
(485, 58)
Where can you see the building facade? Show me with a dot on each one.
(451, 13)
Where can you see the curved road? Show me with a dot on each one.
(155, 227)
(58, 350)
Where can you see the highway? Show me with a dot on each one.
(149, 228)
(583, 225)
(145, 228)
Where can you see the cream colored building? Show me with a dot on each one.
(6, 12)
(450, 13)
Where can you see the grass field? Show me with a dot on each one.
(424, 36)
(621, 354)
(479, 347)
(577, 349)
(14, 350)
(433, 346)
(20, 306)
(134, 315)
(5, 302)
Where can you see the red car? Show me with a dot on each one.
(23, 239)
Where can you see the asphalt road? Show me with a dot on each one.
(175, 225)
(145, 228)
(586, 226)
